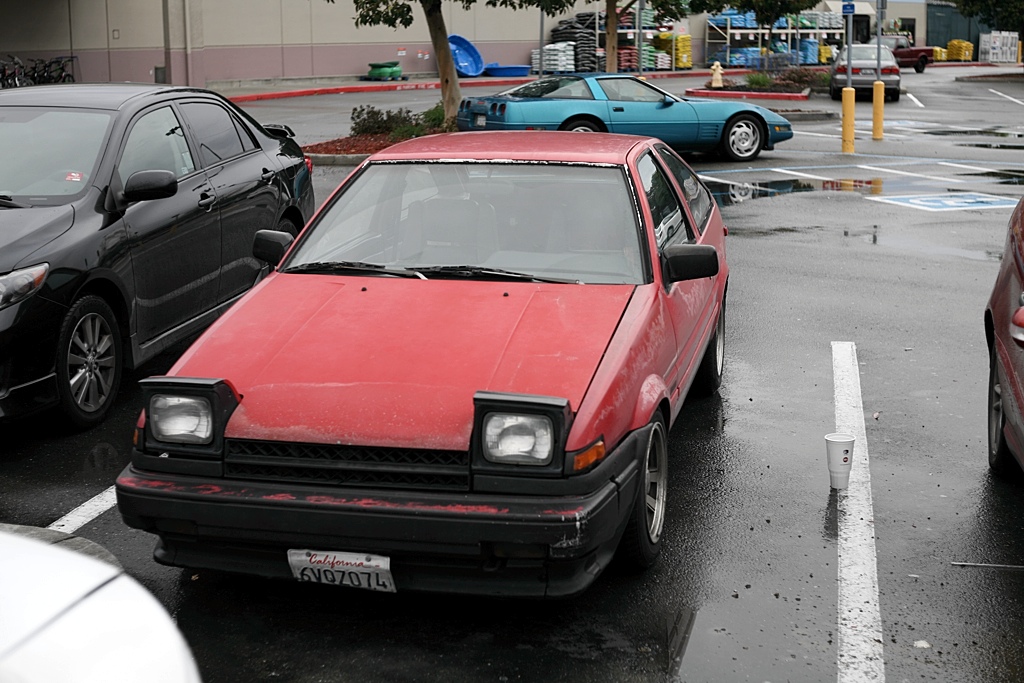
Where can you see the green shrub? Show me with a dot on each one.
(802, 77)
(759, 81)
(367, 120)
(404, 132)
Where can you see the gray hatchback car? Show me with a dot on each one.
(864, 71)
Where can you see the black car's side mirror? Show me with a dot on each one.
(689, 262)
(270, 245)
(145, 185)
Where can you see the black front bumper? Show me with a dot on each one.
(479, 543)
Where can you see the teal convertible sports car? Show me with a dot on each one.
(620, 103)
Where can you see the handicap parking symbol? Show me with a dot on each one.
(952, 201)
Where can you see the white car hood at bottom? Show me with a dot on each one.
(70, 618)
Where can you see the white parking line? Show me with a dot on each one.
(86, 512)
(915, 100)
(860, 621)
(969, 168)
(914, 175)
(1012, 99)
(817, 135)
(799, 174)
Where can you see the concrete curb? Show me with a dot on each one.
(746, 95)
(67, 541)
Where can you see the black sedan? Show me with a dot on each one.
(127, 216)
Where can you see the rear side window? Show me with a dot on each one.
(215, 131)
(697, 196)
(669, 220)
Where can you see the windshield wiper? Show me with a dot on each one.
(337, 267)
(485, 273)
(6, 202)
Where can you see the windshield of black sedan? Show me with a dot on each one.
(49, 155)
(553, 221)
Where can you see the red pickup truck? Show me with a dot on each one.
(906, 54)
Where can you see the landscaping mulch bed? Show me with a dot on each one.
(357, 144)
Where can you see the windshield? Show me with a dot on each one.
(549, 221)
(556, 87)
(49, 155)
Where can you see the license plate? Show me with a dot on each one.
(355, 570)
(480, 120)
(867, 72)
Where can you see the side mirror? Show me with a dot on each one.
(145, 185)
(270, 245)
(668, 101)
(689, 262)
(279, 130)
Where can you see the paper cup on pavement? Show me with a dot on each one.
(839, 450)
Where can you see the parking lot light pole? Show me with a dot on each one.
(878, 87)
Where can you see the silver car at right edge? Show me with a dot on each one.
(864, 71)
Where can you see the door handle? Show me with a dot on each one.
(267, 176)
(207, 201)
(618, 109)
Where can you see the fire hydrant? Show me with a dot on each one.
(716, 75)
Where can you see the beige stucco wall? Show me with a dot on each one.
(248, 39)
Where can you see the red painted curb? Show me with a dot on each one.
(738, 95)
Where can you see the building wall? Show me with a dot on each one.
(208, 41)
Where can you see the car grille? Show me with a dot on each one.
(347, 466)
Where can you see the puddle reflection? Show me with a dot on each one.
(735, 193)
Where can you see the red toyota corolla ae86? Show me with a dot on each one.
(460, 377)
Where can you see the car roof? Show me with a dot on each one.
(87, 95)
(562, 146)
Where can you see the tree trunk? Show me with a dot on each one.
(611, 36)
(451, 93)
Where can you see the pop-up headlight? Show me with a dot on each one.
(517, 432)
(186, 416)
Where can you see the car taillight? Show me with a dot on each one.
(855, 70)
(309, 164)
(840, 69)
(891, 70)
(501, 109)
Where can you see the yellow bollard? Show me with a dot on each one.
(877, 110)
(849, 98)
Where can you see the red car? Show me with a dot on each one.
(460, 377)
(1004, 330)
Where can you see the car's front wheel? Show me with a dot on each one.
(641, 543)
(743, 138)
(581, 126)
(1000, 459)
(920, 65)
(88, 361)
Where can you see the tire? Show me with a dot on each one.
(641, 542)
(709, 373)
(582, 126)
(919, 67)
(89, 360)
(894, 95)
(742, 138)
(1000, 459)
(287, 226)
(835, 94)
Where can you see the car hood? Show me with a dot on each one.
(395, 361)
(23, 231)
(64, 579)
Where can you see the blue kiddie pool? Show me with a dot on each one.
(468, 61)
(505, 70)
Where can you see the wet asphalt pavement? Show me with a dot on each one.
(747, 585)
